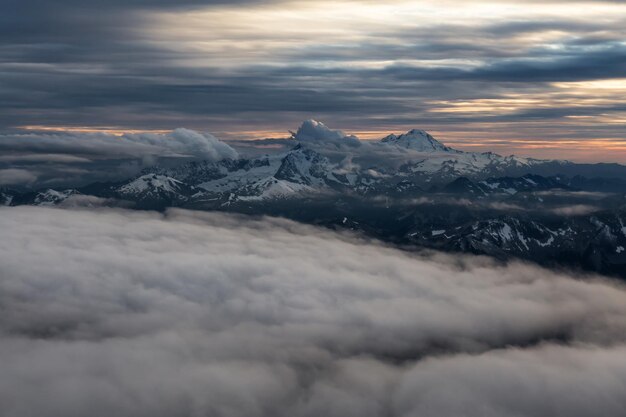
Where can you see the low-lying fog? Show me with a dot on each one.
(120, 313)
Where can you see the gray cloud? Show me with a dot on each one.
(11, 176)
(179, 143)
(114, 74)
(75, 158)
(558, 370)
(608, 62)
(13, 158)
(133, 313)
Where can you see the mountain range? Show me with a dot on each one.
(407, 189)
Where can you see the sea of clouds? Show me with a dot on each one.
(109, 312)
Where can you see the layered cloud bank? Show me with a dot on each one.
(538, 78)
(180, 142)
(190, 314)
(40, 158)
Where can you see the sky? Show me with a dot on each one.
(537, 78)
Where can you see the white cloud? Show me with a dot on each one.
(132, 313)
(186, 142)
(102, 157)
(314, 131)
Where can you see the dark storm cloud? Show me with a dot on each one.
(89, 63)
(608, 63)
(445, 41)
(189, 314)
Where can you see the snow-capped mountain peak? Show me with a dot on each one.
(52, 197)
(304, 166)
(154, 186)
(416, 140)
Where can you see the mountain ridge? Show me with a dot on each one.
(409, 190)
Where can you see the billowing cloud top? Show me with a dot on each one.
(185, 142)
(317, 133)
(188, 314)
(72, 158)
(314, 131)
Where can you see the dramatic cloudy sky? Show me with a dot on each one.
(542, 78)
